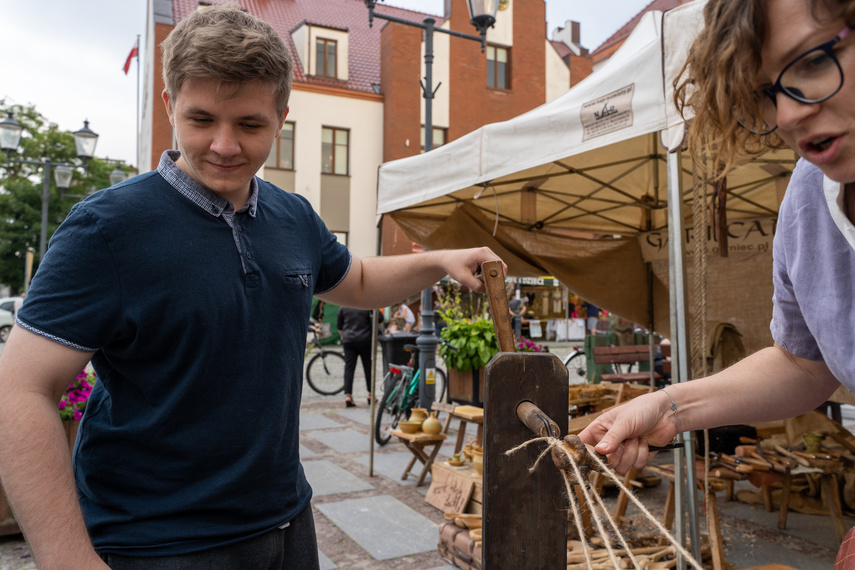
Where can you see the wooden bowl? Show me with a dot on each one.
(409, 426)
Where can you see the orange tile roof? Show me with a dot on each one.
(351, 15)
(626, 29)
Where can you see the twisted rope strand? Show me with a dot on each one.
(647, 513)
(583, 484)
(604, 468)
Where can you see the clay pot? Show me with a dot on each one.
(409, 427)
(478, 460)
(432, 425)
(467, 449)
(418, 415)
(456, 460)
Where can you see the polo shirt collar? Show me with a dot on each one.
(212, 203)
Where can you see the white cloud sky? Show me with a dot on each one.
(66, 57)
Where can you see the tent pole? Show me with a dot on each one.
(684, 463)
(375, 323)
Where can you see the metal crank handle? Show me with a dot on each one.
(665, 447)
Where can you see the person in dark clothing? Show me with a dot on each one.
(354, 326)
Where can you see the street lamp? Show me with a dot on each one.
(482, 14)
(117, 176)
(84, 140)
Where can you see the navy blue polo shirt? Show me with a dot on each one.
(197, 315)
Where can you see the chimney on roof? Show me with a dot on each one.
(571, 36)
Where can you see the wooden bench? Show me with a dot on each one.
(628, 355)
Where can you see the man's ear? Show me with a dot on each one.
(282, 122)
(168, 104)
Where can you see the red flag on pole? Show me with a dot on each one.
(135, 52)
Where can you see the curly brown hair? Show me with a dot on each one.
(717, 82)
(223, 42)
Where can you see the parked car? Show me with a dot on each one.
(6, 322)
(8, 304)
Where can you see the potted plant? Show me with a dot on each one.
(471, 344)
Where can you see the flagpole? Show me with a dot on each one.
(137, 165)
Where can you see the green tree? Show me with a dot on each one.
(21, 188)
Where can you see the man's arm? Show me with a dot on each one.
(380, 281)
(35, 462)
(769, 385)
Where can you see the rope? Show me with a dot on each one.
(699, 336)
(553, 442)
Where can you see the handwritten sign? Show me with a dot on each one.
(607, 114)
(449, 492)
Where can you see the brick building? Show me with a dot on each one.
(357, 101)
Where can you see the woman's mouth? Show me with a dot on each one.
(820, 144)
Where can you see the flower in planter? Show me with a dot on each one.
(74, 400)
(525, 345)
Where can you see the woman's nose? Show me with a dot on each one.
(790, 113)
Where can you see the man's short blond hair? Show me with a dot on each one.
(224, 42)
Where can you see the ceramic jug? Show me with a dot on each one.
(418, 415)
(432, 425)
(478, 460)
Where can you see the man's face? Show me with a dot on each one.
(224, 141)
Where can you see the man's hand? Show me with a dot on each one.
(463, 264)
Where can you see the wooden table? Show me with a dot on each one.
(416, 443)
(466, 414)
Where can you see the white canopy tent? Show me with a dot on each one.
(536, 187)
(584, 188)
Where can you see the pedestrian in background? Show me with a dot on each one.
(518, 308)
(355, 326)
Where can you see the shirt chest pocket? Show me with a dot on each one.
(297, 281)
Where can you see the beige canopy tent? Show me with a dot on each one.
(578, 189)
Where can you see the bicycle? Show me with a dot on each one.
(401, 393)
(325, 372)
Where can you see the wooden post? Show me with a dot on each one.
(524, 513)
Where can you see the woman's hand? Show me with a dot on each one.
(623, 433)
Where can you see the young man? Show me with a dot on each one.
(189, 288)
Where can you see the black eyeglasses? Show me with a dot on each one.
(812, 77)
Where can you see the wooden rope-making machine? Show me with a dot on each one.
(525, 497)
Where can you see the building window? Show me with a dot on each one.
(341, 237)
(282, 153)
(498, 67)
(440, 137)
(334, 151)
(325, 62)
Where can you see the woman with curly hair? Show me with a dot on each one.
(770, 73)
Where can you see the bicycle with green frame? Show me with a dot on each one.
(401, 394)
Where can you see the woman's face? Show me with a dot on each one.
(823, 133)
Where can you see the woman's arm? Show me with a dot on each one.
(771, 384)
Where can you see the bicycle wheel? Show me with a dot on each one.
(578, 367)
(389, 412)
(441, 386)
(325, 373)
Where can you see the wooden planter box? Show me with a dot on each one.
(8, 524)
(466, 387)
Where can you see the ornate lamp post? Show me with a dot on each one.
(482, 14)
(84, 140)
